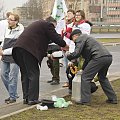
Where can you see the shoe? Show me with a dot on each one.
(17, 97)
(11, 101)
(66, 84)
(34, 102)
(7, 99)
(82, 103)
(55, 82)
(25, 101)
(49, 81)
(111, 101)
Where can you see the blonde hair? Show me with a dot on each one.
(8, 14)
(16, 16)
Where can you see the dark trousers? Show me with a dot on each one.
(54, 68)
(29, 69)
(71, 76)
(100, 66)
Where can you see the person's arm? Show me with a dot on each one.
(54, 36)
(6, 51)
(78, 49)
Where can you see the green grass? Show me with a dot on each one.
(105, 29)
(99, 109)
(107, 40)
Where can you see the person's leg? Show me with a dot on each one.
(87, 76)
(18, 57)
(50, 65)
(104, 82)
(13, 79)
(70, 77)
(55, 72)
(66, 66)
(30, 74)
(5, 69)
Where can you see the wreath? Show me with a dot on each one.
(74, 69)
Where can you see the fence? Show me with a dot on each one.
(105, 29)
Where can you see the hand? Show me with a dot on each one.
(1, 52)
(66, 48)
(48, 55)
(51, 57)
(67, 53)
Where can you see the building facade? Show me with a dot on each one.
(97, 11)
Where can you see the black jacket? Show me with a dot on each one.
(35, 38)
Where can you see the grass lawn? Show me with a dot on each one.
(107, 40)
(99, 109)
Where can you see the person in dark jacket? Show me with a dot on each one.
(97, 60)
(28, 52)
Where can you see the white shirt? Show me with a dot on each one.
(84, 27)
(11, 34)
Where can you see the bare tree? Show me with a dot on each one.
(34, 9)
(75, 4)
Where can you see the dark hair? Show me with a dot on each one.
(89, 23)
(71, 10)
(82, 13)
(51, 19)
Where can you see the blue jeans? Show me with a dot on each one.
(9, 76)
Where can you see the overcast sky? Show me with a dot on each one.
(10, 4)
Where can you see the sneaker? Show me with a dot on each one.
(49, 81)
(7, 99)
(111, 101)
(10, 101)
(55, 82)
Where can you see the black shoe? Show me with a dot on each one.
(82, 103)
(49, 81)
(34, 102)
(55, 82)
(11, 101)
(7, 99)
(25, 101)
(111, 101)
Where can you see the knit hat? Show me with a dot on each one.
(77, 31)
